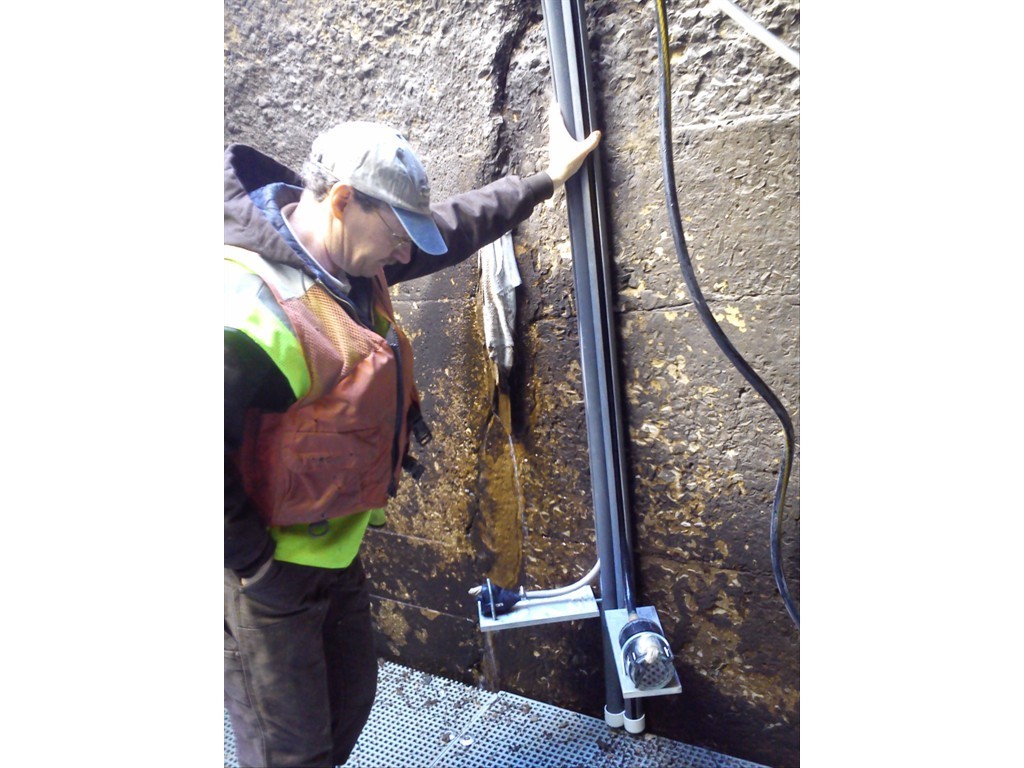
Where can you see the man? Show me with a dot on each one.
(319, 403)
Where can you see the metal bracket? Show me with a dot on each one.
(579, 604)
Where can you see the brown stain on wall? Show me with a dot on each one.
(499, 525)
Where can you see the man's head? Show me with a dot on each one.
(384, 172)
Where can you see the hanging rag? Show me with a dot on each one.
(499, 278)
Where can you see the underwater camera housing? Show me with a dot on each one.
(644, 658)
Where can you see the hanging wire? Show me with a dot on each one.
(668, 171)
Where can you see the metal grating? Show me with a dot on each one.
(424, 721)
(230, 755)
(520, 733)
(416, 717)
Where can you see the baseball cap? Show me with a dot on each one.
(379, 162)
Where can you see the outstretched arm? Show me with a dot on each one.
(472, 219)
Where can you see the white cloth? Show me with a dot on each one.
(499, 278)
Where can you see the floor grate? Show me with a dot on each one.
(230, 755)
(420, 720)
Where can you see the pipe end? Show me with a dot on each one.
(635, 726)
(613, 719)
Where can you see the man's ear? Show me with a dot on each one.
(340, 195)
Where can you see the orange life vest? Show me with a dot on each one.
(339, 449)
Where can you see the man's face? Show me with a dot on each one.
(374, 238)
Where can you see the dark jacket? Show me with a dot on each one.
(251, 379)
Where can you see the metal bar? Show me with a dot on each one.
(742, 18)
(605, 318)
(567, 97)
(602, 319)
(565, 24)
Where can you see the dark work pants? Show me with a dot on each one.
(300, 670)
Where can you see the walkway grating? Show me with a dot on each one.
(420, 720)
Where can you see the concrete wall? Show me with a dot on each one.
(507, 492)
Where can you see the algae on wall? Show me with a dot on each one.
(507, 491)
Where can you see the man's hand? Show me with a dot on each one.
(565, 154)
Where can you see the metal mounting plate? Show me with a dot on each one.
(579, 604)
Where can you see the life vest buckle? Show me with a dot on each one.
(413, 467)
(418, 425)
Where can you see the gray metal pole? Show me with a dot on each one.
(562, 72)
(565, 24)
(604, 322)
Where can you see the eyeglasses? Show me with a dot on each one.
(400, 240)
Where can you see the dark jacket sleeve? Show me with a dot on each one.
(471, 220)
(251, 380)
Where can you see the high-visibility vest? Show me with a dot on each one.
(339, 449)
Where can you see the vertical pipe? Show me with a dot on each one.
(565, 24)
(603, 319)
(566, 87)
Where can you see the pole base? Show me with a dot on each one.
(635, 726)
(614, 720)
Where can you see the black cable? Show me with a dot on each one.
(668, 170)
